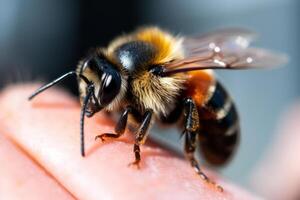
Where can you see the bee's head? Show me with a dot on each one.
(106, 80)
(99, 84)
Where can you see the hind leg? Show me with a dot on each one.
(190, 132)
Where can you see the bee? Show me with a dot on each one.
(152, 75)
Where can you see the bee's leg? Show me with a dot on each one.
(120, 127)
(190, 132)
(95, 107)
(141, 136)
(189, 148)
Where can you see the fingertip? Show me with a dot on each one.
(50, 134)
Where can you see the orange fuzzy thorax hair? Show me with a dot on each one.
(168, 47)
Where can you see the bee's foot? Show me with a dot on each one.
(136, 163)
(206, 179)
(219, 188)
(102, 137)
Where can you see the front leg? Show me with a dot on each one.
(141, 136)
(120, 127)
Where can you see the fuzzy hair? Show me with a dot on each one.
(157, 93)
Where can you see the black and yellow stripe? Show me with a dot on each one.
(220, 128)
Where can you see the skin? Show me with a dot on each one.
(20, 178)
(47, 132)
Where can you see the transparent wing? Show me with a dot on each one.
(224, 49)
(233, 38)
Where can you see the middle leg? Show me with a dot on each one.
(141, 136)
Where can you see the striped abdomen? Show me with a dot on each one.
(219, 123)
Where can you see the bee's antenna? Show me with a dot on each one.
(45, 87)
(90, 89)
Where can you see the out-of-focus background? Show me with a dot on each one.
(40, 40)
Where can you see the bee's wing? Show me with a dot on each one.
(235, 38)
(224, 49)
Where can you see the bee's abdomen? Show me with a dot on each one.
(219, 127)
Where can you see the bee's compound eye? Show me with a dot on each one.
(111, 84)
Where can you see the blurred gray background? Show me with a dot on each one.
(40, 40)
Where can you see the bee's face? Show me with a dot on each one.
(106, 79)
